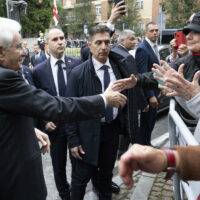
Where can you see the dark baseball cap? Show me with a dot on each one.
(194, 24)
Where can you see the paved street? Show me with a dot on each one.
(160, 129)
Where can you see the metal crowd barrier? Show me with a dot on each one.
(181, 135)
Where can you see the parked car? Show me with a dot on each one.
(75, 43)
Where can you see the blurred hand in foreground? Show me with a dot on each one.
(140, 157)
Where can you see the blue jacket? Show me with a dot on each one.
(145, 58)
(43, 79)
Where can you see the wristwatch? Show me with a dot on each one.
(171, 163)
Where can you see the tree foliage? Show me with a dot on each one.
(3, 8)
(131, 18)
(179, 11)
(81, 15)
(38, 17)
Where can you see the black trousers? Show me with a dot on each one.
(58, 152)
(107, 156)
(124, 142)
(148, 120)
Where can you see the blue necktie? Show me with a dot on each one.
(61, 79)
(106, 78)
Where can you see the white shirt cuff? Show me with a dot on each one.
(104, 99)
(110, 26)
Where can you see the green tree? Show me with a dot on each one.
(3, 8)
(38, 17)
(131, 18)
(82, 15)
(179, 11)
(62, 18)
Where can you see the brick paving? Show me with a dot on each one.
(162, 189)
(124, 193)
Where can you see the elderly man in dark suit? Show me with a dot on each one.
(94, 143)
(127, 42)
(146, 55)
(21, 174)
(47, 77)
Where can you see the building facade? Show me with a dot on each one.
(149, 9)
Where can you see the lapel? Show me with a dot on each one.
(115, 70)
(68, 63)
(122, 49)
(153, 55)
(50, 79)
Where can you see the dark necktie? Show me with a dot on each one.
(61, 79)
(106, 78)
(156, 52)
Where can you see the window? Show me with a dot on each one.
(98, 9)
(139, 4)
(61, 2)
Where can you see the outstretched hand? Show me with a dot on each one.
(176, 82)
(125, 83)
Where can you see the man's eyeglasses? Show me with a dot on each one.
(19, 46)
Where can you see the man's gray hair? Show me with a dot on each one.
(7, 29)
(125, 34)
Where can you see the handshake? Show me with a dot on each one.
(114, 98)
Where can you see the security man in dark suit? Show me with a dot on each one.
(146, 55)
(21, 173)
(94, 143)
(44, 56)
(51, 76)
(127, 42)
(36, 55)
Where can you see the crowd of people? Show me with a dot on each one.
(96, 106)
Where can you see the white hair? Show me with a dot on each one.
(125, 34)
(7, 29)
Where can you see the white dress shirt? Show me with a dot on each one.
(100, 74)
(54, 68)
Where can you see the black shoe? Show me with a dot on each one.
(115, 188)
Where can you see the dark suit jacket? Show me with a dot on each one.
(27, 58)
(28, 74)
(40, 59)
(43, 79)
(130, 66)
(145, 58)
(83, 81)
(21, 174)
(33, 59)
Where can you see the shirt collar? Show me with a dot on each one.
(98, 65)
(124, 47)
(150, 42)
(47, 56)
(54, 60)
